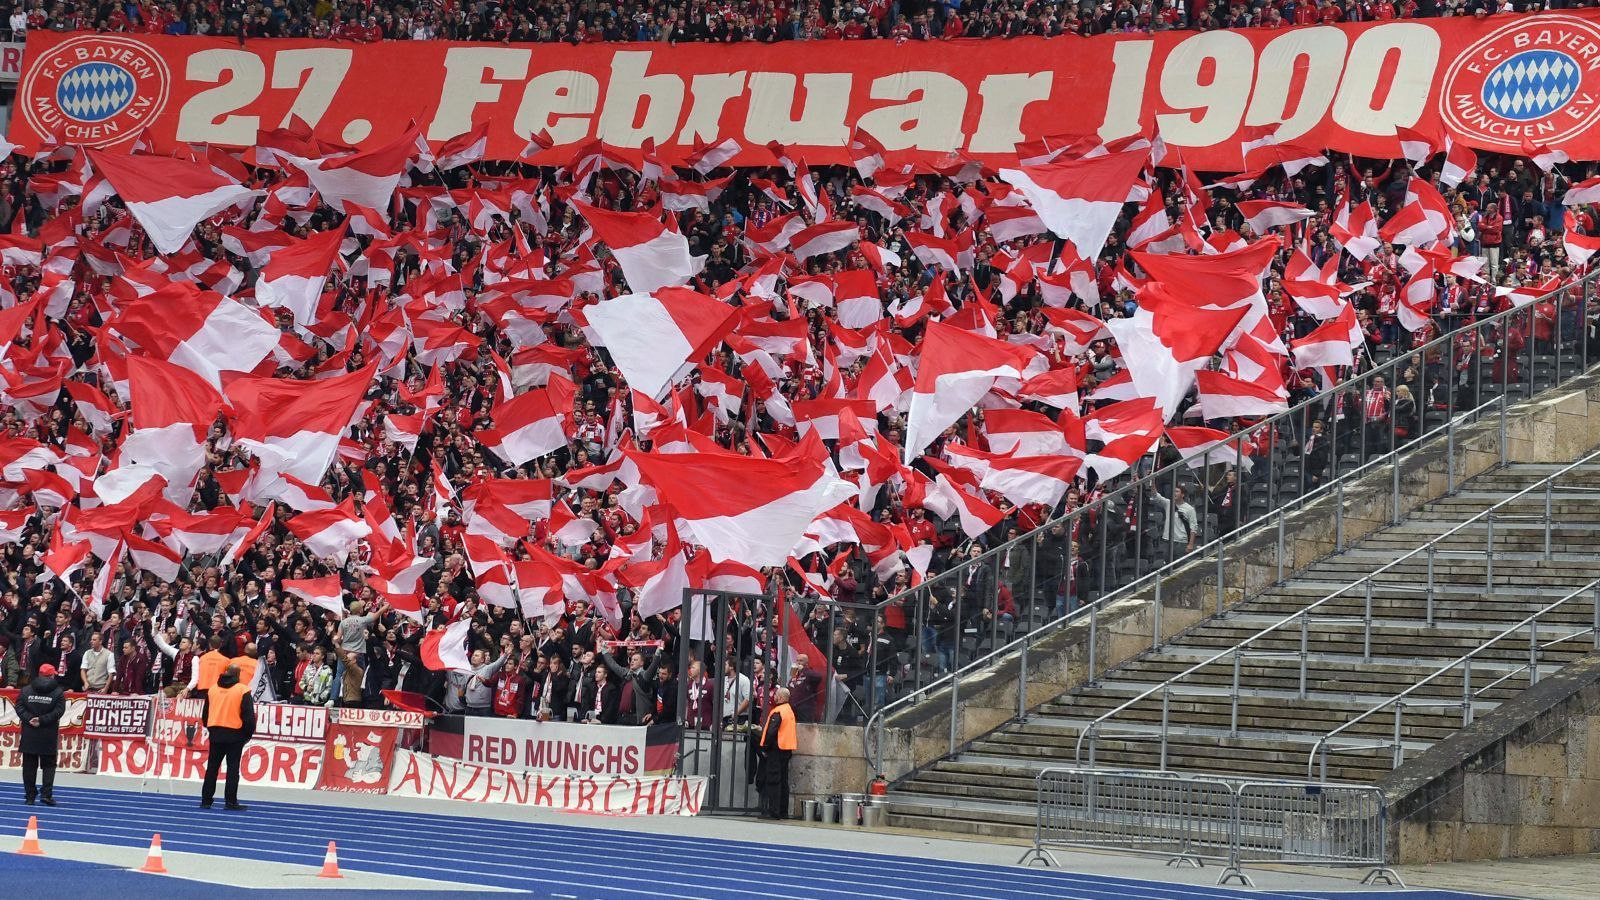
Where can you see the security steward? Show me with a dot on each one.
(230, 715)
(778, 743)
(40, 707)
(209, 667)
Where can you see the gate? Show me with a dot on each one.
(728, 636)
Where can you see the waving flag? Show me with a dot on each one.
(1079, 199)
(744, 509)
(168, 196)
(295, 426)
(330, 532)
(532, 424)
(445, 649)
(367, 178)
(326, 593)
(294, 276)
(204, 332)
(957, 368)
(651, 336)
(652, 255)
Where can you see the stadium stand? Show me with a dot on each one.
(494, 466)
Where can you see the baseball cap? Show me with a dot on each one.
(47, 670)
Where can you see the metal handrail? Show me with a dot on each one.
(1530, 625)
(1298, 619)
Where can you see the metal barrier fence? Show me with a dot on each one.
(961, 621)
(1195, 819)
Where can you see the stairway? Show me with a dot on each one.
(988, 788)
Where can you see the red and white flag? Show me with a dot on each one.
(367, 178)
(1414, 145)
(1584, 192)
(464, 149)
(330, 532)
(1080, 199)
(295, 426)
(1579, 246)
(1328, 344)
(445, 649)
(653, 335)
(173, 410)
(652, 255)
(956, 369)
(1206, 446)
(294, 276)
(1459, 163)
(1265, 215)
(204, 332)
(168, 196)
(531, 424)
(827, 237)
(491, 571)
(1224, 397)
(753, 511)
(249, 538)
(1543, 157)
(326, 593)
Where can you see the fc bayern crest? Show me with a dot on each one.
(95, 90)
(1535, 80)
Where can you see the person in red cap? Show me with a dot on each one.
(40, 707)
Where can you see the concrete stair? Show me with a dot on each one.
(988, 787)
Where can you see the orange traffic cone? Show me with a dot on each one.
(330, 863)
(30, 838)
(152, 861)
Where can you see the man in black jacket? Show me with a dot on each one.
(230, 717)
(40, 707)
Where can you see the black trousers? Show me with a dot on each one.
(31, 764)
(775, 784)
(230, 752)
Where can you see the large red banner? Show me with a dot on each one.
(1491, 82)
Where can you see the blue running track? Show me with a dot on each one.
(544, 860)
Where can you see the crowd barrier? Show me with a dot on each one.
(1192, 820)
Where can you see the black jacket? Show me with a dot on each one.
(247, 715)
(46, 700)
(610, 701)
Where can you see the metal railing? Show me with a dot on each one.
(1302, 623)
(1194, 819)
(1525, 633)
(957, 623)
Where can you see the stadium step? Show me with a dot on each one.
(1271, 731)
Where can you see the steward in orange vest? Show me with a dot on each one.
(778, 743)
(209, 666)
(230, 715)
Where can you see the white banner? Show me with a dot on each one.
(275, 763)
(563, 747)
(421, 775)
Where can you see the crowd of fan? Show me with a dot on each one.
(764, 21)
(581, 668)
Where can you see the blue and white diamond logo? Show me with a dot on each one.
(1532, 84)
(95, 91)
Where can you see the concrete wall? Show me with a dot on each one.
(1560, 428)
(1523, 780)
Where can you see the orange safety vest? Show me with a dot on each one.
(247, 669)
(210, 668)
(225, 703)
(786, 727)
